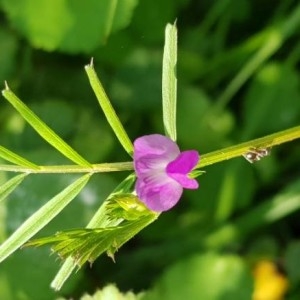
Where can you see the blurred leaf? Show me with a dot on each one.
(93, 137)
(110, 292)
(272, 102)
(42, 217)
(195, 115)
(151, 17)
(121, 41)
(236, 191)
(70, 26)
(10, 185)
(265, 247)
(28, 273)
(142, 66)
(169, 81)
(42, 129)
(206, 277)
(47, 109)
(281, 205)
(8, 51)
(292, 263)
(224, 190)
(16, 159)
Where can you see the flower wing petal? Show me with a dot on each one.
(179, 168)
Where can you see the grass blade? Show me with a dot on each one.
(108, 110)
(10, 185)
(42, 129)
(42, 217)
(16, 159)
(169, 81)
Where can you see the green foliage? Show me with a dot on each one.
(73, 26)
(108, 110)
(16, 159)
(205, 277)
(43, 130)
(7, 187)
(238, 80)
(278, 84)
(44, 215)
(110, 292)
(84, 245)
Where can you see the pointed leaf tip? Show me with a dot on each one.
(90, 65)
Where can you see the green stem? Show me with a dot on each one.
(240, 149)
(66, 169)
(206, 159)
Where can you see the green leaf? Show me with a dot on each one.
(43, 130)
(16, 159)
(169, 81)
(205, 276)
(101, 219)
(283, 204)
(292, 265)
(274, 83)
(42, 217)
(110, 292)
(70, 26)
(87, 244)
(10, 185)
(108, 110)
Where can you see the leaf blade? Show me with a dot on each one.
(87, 244)
(16, 159)
(169, 81)
(42, 217)
(108, 109)
(42, 129)
(10, 185)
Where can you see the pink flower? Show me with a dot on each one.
(162, 171)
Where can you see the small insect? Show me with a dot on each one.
(255, 154)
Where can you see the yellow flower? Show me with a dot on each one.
(269, 283)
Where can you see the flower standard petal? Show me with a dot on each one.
(179, 168)
(155, 145)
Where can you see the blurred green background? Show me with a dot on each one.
(207, 247)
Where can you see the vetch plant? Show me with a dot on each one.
(162, 171)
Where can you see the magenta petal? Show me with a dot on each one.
(155, 145)
(179, 168)
(185, 181)
(184, 163)
(159, 197)
(162, 171)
